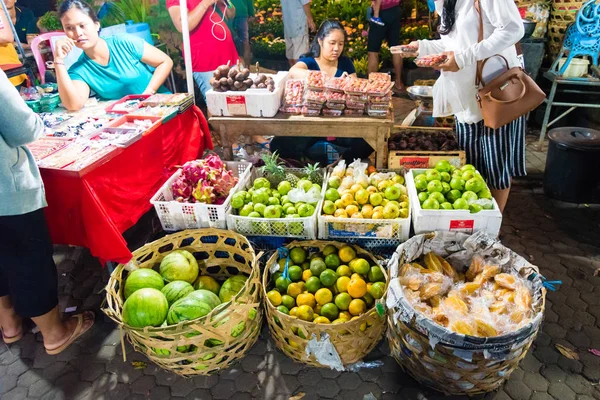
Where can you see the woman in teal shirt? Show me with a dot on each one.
(112, 67)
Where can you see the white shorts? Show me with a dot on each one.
(295, 47)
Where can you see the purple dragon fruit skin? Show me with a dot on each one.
(214, 161)
(224, 182)
(192, 171)
(181, 188)
(204, 193)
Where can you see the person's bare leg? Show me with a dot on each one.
(10, 322)
(501, 197)
(55, 331)
(373, 62)
(397, 61)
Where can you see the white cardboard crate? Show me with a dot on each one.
(252, 102)
(298, 228)
(176, 216)
(397, 230)
(450, 220)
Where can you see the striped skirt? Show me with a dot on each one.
(499, 154)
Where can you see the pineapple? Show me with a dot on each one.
(274, 172)
(313, 173)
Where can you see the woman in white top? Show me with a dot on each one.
(499, 154)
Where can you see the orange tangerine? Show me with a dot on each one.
(306, 299)
(357, 288)
(342, 283)
(294, 289)
(323, 296)
(357, 307)
(306, 274)
(345, 315)
(321, 320)
(347, 254)
(305, 313)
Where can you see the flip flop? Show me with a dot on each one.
(13, 339)
(79, 330)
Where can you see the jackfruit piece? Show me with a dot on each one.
(404, 269)
(412, 282)
(490, 271)
(463, 328)
(435, 301)
(523, 297)
(499, 307)
(429, 290)
(484, 329)
(475, 268)
(517, 316)
(479, 279)
(506, 280)
(439, 316)
(432, 262)
(469, 288)
(457, 304)
(417, 265)
(447, 268)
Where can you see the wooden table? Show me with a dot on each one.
(375, 131)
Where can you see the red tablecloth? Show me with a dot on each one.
(94, 210)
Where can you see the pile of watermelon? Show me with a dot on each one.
(178, 293)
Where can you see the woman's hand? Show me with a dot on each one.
(450, 65)
(62, 48)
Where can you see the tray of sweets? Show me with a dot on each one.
(316, 80)
(356, 86)
(335, 106)
(379, 88)
(315, 96)
(335, 97)
(354, 112)
(46, 146)
(294, 92)
(431, 61)
(127, 104)
(380, 76)
(311, 112)
(328, 112)
(335, 84)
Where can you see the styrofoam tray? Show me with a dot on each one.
(450, 220)
(175, 216)
(252, 102)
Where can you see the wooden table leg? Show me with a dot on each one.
(226, 143)
(380, 159)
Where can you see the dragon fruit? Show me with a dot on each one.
(204, 181)
(182, 189)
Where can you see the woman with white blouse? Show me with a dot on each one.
(499, 154)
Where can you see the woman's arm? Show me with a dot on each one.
(73, 93)
(299, 71)
(229, 12)
(194, 16)
(505, 18)
(429, 47)
(159, 60)
(6, 35)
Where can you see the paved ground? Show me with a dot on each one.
(561, 239)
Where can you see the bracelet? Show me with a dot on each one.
(58, 63)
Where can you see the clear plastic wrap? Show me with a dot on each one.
(291, 109)
(357, 98)
(328, 112)
(433, 60)
(311, 112)
(315, 96)
(335, 96)
(356, 86)
(335, 84)
(405, 50)
(335, 106)
(316, 80)
(354, 112)
(294, 92)
(380, 76)
(377, 114)
(356, 105)
(379, 88)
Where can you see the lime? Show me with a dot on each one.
(288, 301)
(328, 277)
(305, 265)
(274, 297)
(344, 270)
(275, 276)
(332, 261)
(368, 299)
(330, 311)
(317, 266)
(283, 309)
(298, 255)
(282, 284)
(295, 273)
(376, 275)
(360, 266)
(342, 301)
(377, 290)
(313, 284)
(329, 249)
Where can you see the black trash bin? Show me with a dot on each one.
(573, 165)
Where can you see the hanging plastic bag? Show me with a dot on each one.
(360, 175)
(446, 97)
(312, 196)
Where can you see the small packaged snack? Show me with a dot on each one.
(294, 92)
(356, 105)
(357, 98)
(328, 112)
(405, 50)
(354, 112)
(335, 106)
(335, 84)
(311, 112)
(379, 107)
(431, 61)
(380, 99)
(335, 97)
(379, 88)
(380, 76)
(316, 80)
(295, 110)
(356, 86)
(377, 114)
(315, 96)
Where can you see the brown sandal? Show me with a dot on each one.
(79, 330)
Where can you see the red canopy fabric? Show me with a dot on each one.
(94, 210)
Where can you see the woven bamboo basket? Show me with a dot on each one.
(211, 343)
(353, 340)
(452, 363)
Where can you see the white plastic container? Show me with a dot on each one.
(176, 216)
(252, 102)
(450, 220)
(577, 68)
(388, 230)
(298, 228)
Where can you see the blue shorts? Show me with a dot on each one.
(240, 28)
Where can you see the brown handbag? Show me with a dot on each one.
(508, 96)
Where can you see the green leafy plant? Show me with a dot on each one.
(50, 21)
(120, 11)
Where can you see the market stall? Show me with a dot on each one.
(93, 199)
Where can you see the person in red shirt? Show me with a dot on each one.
(211, 43)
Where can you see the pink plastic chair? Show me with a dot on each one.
(37, 55)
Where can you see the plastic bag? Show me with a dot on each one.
(313, 196)
(360, 176)
(446, 98)
(340, 169)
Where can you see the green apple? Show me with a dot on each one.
(475, 208)
(304, 184)
(443, 166)
(423, 196)
(398, 179)
(468, 174)
(421, 182)
(254, 214)
(260, 196)
(246, 210)
(457, 183)
(272, 212)
(332, 194)
(446, 187)
(469, 196)
(432, 175)
(260, 183)
(475, 185)
(403, 213)
(290, 210)
(431, 204)
(315, 186)
(273, 201)
(453, 195)
(437, 196)
(446, 206)
(334, 182)
(237, 201)
(260, 208)
(434, 186)
(306, 210)
(460, 204)
(375, 199)
(362, 196)
(468, 167)
(328, 207)
(392, 193)
(485, 194)
(284, 187)
(391, 211)
(446, 177)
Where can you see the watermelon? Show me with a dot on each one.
(145, 307)
(176, 290)
(231, 287)
(142, 278)
(179, 265)
(187, 309)
(206, 296)
(207, 283)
